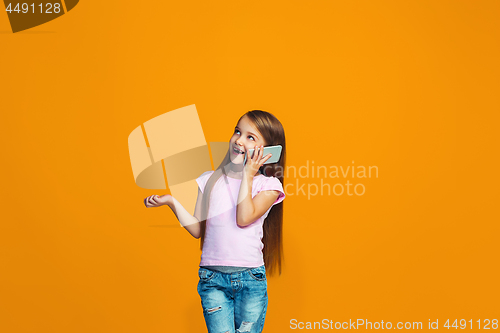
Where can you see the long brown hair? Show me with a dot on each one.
(273, 133)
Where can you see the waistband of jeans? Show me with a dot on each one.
(228, 269)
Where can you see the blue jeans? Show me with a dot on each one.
(233, 302)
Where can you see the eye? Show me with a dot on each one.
(236, 131)
(251, 137)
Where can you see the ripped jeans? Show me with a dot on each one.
(233, 302)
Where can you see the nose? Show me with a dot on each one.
(238, 142)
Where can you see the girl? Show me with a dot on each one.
(238, 218)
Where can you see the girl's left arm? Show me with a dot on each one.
(250, 209)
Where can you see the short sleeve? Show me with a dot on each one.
(273, 183)
(202, 180)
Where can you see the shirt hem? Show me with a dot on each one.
(231, 263)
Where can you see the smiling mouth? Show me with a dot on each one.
(237, 151)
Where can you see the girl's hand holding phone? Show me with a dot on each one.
(157, 201)
(256, 161)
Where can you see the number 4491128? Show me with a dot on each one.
(25, 8)
(462, 324)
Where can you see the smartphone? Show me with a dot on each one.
(275, 150)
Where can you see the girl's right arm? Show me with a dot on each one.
(189, 222)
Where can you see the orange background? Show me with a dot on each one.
(410, 87)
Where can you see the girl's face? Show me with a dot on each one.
(245, 137)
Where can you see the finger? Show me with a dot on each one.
(155, 199)
(261, 152)
(257, 153)
(264, 159)
(247, 155)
